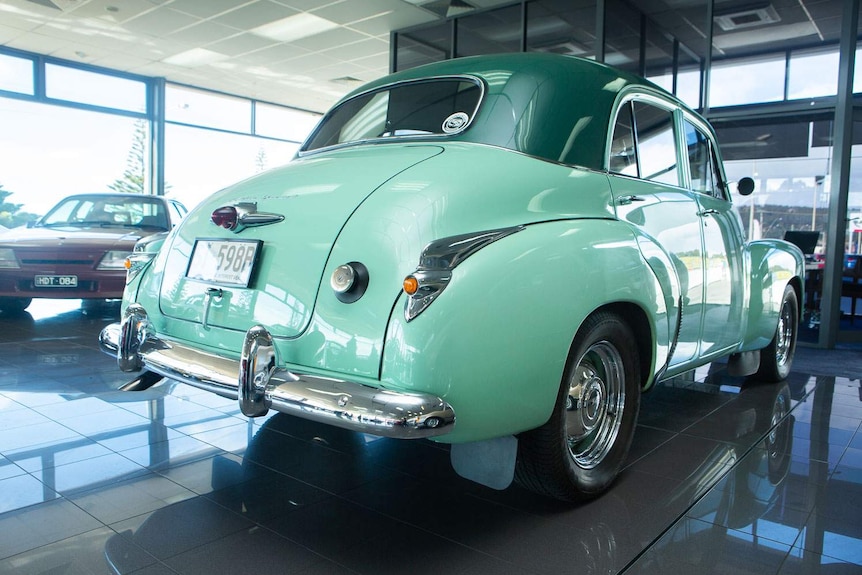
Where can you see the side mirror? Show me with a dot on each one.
(745, 186)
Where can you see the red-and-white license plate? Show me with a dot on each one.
(52, 281)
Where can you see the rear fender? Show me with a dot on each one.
(494, 344)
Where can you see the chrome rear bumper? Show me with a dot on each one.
(258, 384)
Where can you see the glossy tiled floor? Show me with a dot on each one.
(174, 480)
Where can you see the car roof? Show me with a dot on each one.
(550, 106)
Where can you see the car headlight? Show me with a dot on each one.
(7, 259)
(113, 260)
(436, 263)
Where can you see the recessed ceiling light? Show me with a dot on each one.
(195, 57)
(294, 27)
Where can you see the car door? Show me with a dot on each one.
(722, 241)
(646, 181)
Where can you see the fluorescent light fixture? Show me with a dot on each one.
(195, 57)
(294, 27)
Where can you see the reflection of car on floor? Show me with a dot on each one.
(78, 249)
(499, 252)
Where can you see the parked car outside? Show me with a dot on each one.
(78, 249)
(499, 252)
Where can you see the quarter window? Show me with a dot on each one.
(623, 156)
(656, 149)
(702, 163)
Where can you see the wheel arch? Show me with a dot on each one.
(637, 319)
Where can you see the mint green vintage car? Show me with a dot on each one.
(501, 253)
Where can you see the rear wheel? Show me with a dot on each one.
(13, 305)
(579, 451)
(777, 358)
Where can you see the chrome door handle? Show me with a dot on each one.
(626, 200)
(707, 212)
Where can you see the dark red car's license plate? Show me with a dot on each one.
(55, 281)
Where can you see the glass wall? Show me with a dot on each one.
(49, 152)
(85, 129)
(200, 161)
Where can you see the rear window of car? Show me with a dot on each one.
(436, 107)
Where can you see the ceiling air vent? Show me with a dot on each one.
(747, 17)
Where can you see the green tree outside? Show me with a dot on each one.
(11, 215)
(132, 180)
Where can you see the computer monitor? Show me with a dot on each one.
(806, 241)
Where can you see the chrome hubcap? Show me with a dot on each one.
(784, 335)
(594, 404)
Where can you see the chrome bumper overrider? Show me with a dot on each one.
(259, 384)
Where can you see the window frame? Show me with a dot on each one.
(680, 115)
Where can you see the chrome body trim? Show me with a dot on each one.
(259, 385)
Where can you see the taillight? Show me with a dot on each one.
(225, 217)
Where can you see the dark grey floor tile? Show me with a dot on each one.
(40, 457)
(803, 562)
(253, 551)
(131, 498)
(181, 527)
(9, 469)
(171, 452)
(695, 547)
(267, 495)
(88, 553)
(22, 491)
(212, 474)
(42, 524)
(86, 475)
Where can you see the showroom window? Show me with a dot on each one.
(186, 105)
(16, 74)
(95, 89)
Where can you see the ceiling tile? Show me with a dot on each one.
(273, 53)
(361, 49)
(379, 63)
(120, 61)
(328, 39)
(7, 33)
(255, 14)
(385, 22)
(39, 43)
(308, 63)
(112, 10)
(346, 12)
(160, 22)
(240, 44)
(204, 33)
(207, 8)
(15, 17)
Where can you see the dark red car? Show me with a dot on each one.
(78, 249)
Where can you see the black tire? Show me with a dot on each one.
(578, 453)
(776, 358)
(14, 305)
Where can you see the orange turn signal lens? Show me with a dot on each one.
(411, 285)
(127, 263)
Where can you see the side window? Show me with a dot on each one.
(701, 162)
(623, 158)
(655, 141)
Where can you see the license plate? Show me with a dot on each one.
(55, 281)
(225, 262)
